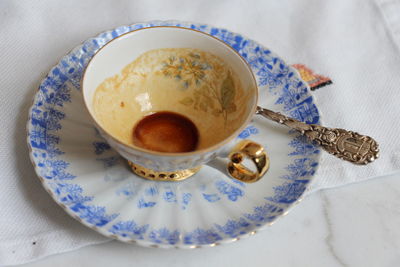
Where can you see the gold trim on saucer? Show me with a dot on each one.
(174, 176)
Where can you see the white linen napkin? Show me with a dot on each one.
(355, 43)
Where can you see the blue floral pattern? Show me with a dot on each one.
(164, 235)
(232, 192)
(186, 198)
(211, 197)
(100, 147)
(289, 192)
(44, 119)
(301, 169)
(145, 204)
(170, 196)
(302, 146)
(248, 131)
(234, 228)
(45, 125)
(201, 237)
(264, 214)
(129, 229)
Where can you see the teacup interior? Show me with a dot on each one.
(169, 69)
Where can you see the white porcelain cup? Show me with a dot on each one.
(219, 113)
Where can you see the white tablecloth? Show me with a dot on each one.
(355, 43)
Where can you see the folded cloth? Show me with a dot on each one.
(361, 55)
(355, 43)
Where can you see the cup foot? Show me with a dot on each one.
(174, 176)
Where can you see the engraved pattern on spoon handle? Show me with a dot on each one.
(347, 145)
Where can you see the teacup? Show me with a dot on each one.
(206, 80)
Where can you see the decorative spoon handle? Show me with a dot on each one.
(346, 145)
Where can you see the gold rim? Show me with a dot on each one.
(196, 152)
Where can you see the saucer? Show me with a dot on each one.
(95, 185)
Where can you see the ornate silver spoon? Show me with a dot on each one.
(346, 145)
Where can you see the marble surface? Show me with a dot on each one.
(355, 225)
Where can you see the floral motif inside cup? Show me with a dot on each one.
(191, 82)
